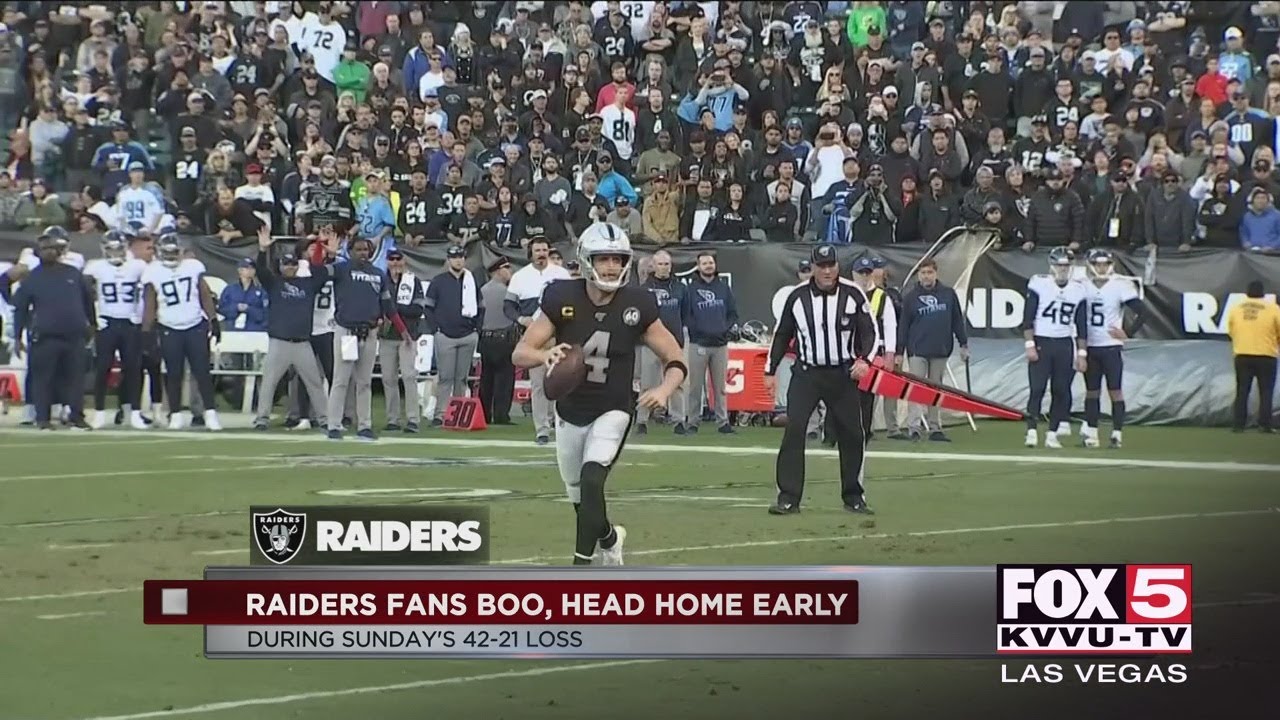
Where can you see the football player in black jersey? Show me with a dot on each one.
(607, 318)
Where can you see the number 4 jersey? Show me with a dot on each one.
(1106, 309)
(608, 335)
(1055, 306)
(119, 289)
(177, 291)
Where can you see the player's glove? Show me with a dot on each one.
(215, 330)
(735, 334)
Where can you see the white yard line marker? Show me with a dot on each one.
(372, 689)
(122, 518)
(176, 472)
(81, 546)
(68, 616)
(918, 533)
(228, 551)
(69, 595)
(926, 456)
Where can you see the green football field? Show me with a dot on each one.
(85, 518)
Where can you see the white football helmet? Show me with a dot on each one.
(604, 239)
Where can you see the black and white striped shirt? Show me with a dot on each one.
(830, 328)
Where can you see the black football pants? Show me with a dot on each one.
(497, 374)
(833, 387)
(57, 374)
(1249, 368)
(123, 338)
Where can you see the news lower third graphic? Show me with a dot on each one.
(413, 582)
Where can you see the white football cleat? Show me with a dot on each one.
(303, 424)
(1117, 441)
(177, 420)
(1033, 438)
(1064, 429)
(613, 556)
(99, 419)
(1088, 436)
(1051, 441)
(211, 421)
(136, 422)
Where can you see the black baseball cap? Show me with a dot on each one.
(804, 266)
(456, 251)
(395, 254)
(498, 264)
(824, 254)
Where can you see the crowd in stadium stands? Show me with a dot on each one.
(1080, 123)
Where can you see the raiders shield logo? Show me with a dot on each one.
(279, 534)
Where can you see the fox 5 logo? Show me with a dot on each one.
(1121, 594)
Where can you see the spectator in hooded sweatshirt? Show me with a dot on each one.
(1260, 227)
(711, 315)
(612, 185)
(932, 323)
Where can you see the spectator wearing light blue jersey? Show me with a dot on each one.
(612, 184)
(377, 219)
(720, 93)
(1235, 61)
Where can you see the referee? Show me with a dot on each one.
(834, 332)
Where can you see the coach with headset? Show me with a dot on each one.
(835, 336)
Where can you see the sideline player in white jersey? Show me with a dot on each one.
(176, 302)
(607, 318)
(1053, 326)
(116, 282)
(137, 205)
(1107, 297)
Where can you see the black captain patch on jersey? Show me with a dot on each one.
(608, 335)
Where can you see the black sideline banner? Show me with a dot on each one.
(1188, 299)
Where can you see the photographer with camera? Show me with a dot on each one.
(874, 214)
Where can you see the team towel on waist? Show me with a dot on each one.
(404, 291)
(469, 309)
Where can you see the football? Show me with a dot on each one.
(567, 374)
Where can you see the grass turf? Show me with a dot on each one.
(98, 513)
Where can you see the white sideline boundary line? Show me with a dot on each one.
(772, 543)
(926, 456)
(467, 679)
(47, 444)
(81, 546)
(347, 692)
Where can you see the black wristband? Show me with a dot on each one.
(677, 364)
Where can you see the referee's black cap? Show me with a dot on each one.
(824, 254)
